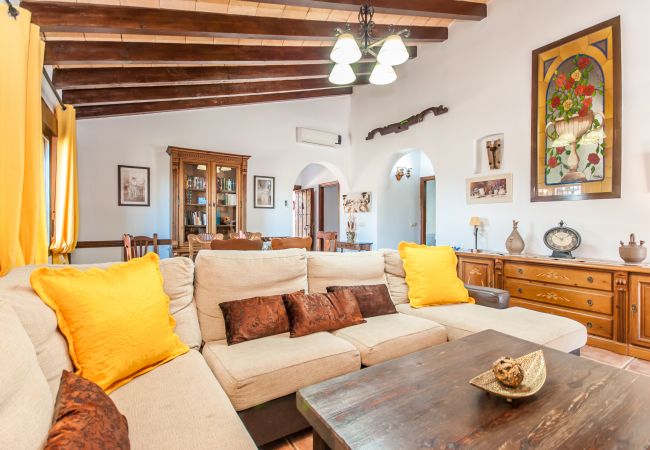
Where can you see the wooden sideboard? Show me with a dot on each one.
(611, 299)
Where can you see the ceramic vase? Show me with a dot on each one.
(351, 236)
(633, 253)
(515, 243)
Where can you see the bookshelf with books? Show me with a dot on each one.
(206, 194)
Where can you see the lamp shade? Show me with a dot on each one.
(342, 74)
(346, 50)
(475, 221)
(382, 74)
(393, 52)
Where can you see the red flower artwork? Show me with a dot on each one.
(569, 83)
(583, 62)
(552, 162)
(560, 80)
(583, 111)
(589, 90)
(587, 102)
(555, 102)
(593, 158)
(560, 150)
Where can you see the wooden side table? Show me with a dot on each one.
(357, 246)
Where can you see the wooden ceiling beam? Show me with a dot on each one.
(90, 18)
(95, 52)
(157, 76)
(86, 97)
(444, 9)
(176, 105)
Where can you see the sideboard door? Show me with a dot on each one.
(640, 310)
(476, 271)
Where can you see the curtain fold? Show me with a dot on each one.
(23, 238)
(66, 212)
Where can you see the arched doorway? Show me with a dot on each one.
(406, 211)
(316, 200)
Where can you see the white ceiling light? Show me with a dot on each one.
(342, 74)
(346, 50)
(393, 52)
(382, 74)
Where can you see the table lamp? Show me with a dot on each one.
(475, 222)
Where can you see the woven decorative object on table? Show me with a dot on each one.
(534, 368)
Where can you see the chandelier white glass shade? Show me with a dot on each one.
(346, 51)
(393, 52)
(382, 74)
(342, 74)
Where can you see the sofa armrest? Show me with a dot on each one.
(485, 296)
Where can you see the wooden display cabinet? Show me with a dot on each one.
(208, 194)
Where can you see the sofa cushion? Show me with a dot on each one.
(40, 321)
(390, 336)
(311, 313)
(462, 320)
(223, 275)
(178, 283)
(344, 269)
(395, 276)
(254, 318)
(26, 403)
(180, 405)
(84, 416)
(374, 300)
(255, 372)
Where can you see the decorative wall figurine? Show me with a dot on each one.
(494, 153)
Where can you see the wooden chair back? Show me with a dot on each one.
(201, 241)
(292, 242)
(237, 244)
(137, 246)
(245, 235)
(326, 241)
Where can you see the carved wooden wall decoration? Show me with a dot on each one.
(405, 124)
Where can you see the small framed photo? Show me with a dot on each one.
(264, 192)
(490, 189)
(133, 186)
(356, 203)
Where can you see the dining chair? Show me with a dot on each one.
(245, 235)
(326, 241)
(137, 246)
(201, 241)
(292, 242)
(236, 244)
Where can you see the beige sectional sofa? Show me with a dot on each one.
(243, 394)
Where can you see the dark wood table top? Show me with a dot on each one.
(424, 400)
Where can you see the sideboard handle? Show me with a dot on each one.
(520, 290)
(590, 302)
(590, 325)
(520, 270)
(634, 307)
(590, 279)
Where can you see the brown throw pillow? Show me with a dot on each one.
(311, 313)
(374, 300)
(254, 318)
(86, 418)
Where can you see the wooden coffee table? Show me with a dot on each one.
(424, 400)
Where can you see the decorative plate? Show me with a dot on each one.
(534, 377)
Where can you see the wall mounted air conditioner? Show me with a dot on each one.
(308, 136)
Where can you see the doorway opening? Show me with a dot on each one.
(316, 202)
(428, 210)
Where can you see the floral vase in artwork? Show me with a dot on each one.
(515, 243)
(572, 130)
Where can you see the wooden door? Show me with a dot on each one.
(427, 210)
(303, 213)
(476, 271)
(639, 311)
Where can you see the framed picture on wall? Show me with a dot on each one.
(490, 189)
(356, 203)
(133, 186)
(576, 116)
(264, 192)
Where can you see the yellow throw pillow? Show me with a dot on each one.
(431, 275)
(116, 321)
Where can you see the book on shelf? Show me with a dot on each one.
(227, 199)
(193, 182)
(196, 218)
(226, 184)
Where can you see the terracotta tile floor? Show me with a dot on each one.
(303, 439)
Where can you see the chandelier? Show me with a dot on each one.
(391, 50)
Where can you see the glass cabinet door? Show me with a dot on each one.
(195, 198)
(225, 204)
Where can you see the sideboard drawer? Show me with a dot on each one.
(596, 325)
(574, 298)
(560, 275)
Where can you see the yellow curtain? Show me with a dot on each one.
(23, 232)
(66, 213)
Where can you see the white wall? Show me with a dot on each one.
(266, 132)
(483, 74)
